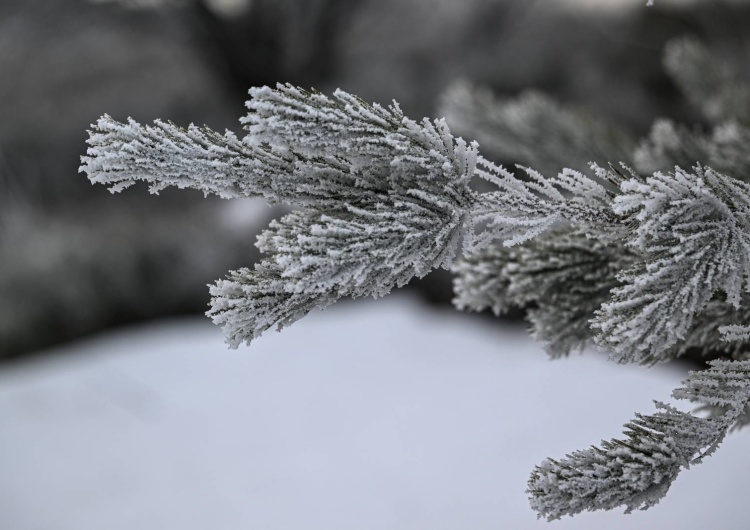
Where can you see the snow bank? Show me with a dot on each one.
(372, 415)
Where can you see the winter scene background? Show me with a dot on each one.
(122, 407)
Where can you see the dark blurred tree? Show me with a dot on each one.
(65, 61)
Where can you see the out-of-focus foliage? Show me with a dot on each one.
(193, 61)
(66, 268)
(533, 129)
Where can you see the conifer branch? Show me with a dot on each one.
(164, 154)
(694, 233)
(385, 198)
(637, 471)
(524, 209)
(564, 276)
(710, 335)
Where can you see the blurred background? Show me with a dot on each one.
(75, 259)
(160, 427)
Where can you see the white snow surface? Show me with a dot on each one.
(379, 414)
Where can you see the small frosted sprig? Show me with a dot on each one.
(637, 471)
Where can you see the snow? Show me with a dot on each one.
(371, 415)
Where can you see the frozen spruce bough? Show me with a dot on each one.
(381, 199)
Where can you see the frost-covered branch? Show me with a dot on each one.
(164, 154)
(522, 209)
(385, 198)
(360, 153)
(564, 276)
(637, 471)
(708, 334)
(641, 271)
(318, 257)
(693, 230)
